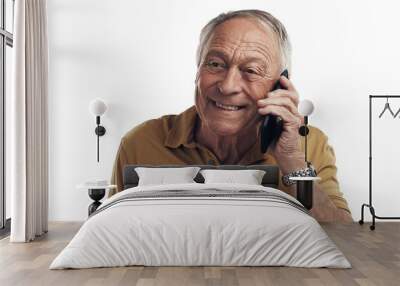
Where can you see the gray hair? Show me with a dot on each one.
(263, 17)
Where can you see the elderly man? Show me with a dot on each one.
(240, 57)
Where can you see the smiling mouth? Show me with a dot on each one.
(227, 107)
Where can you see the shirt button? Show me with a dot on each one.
(211, 162)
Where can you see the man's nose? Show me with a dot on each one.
(231, 83)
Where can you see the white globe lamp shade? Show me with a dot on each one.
(97, 107)
(306, 107)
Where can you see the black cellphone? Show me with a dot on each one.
(271, 126)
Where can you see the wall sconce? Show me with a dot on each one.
(97, 107)
(305, 185)
(306, 108)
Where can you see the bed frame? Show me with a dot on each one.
(270, 179)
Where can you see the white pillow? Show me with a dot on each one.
(248, 177)
(162, 176)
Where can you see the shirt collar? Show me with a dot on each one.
(182, 133)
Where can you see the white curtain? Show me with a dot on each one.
(29, 140)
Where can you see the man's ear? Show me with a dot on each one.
(196, 94)
(197, 76)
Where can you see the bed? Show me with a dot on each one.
(201, 224)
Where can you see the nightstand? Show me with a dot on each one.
(96, 193)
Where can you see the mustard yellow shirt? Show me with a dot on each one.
(169, 140)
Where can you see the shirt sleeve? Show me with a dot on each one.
(327, 171)
(119, 163)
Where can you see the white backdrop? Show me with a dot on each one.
(139, 56)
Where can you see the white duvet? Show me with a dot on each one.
(187, 230)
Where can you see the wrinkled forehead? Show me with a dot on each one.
(244, 33)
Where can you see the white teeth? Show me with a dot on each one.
(227, 107)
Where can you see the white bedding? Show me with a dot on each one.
(232, 230)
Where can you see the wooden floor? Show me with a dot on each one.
(375, 256)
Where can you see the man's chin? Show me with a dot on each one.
(225, 129)
(227, 122)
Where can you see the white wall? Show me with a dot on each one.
(139, 56)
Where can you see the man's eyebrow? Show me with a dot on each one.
(247, 60)
(254, 59)
(217, 53)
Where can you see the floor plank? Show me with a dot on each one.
(374, 255)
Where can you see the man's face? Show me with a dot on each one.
(240, 65)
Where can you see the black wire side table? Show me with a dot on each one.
(370, 205)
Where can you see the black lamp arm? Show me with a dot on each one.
(100, 131)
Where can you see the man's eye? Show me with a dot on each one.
(251, 71)
(214, 64)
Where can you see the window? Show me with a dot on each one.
(6, 44)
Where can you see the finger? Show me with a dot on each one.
(283, 93)
(293, 95)
(286, 83)
(290, 120)
(282, 101)
(293, 98)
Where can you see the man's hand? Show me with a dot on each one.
(287, 151)
(283, 103)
